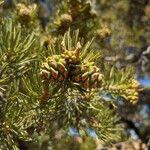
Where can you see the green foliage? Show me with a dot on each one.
(74, 14)
(47, 78)
(24, 106)
(120, 83)
(16, 54)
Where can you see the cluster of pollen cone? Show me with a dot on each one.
(70, 67)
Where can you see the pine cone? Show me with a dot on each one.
(88, 75)
(54, 69)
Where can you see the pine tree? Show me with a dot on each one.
(53, 77)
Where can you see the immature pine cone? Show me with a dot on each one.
(87, 75)
(54, 69)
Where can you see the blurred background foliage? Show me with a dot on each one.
(121, 31)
